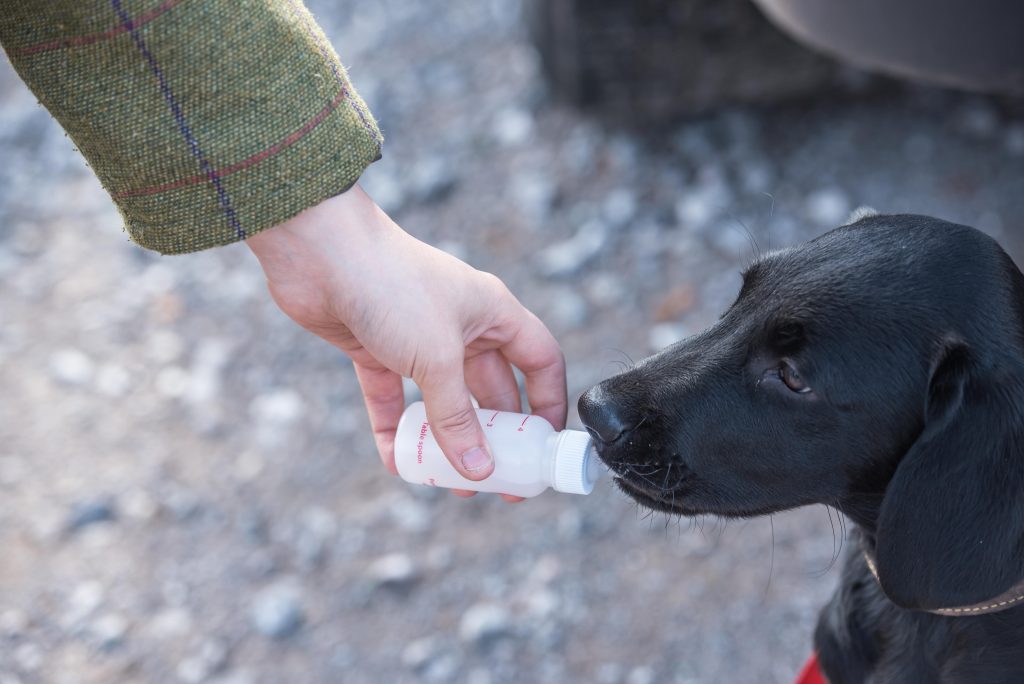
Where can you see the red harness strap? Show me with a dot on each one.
(811, 673)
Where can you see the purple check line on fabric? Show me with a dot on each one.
(304, 18)
(179, 117)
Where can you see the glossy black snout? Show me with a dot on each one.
(605, 419)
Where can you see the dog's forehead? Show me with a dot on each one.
(876, 254)
(882, 271)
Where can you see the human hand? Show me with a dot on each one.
(399, 307)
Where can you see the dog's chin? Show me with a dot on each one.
(679, 502)
(663, 501)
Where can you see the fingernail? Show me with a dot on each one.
(476, 459)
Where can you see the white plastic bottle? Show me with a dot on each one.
(529, 456)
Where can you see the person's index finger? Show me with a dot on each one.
(535, 352)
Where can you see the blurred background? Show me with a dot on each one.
(189, 490)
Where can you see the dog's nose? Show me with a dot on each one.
(605, 419)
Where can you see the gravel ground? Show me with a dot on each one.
(188, 487)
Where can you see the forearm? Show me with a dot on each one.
(206, 121)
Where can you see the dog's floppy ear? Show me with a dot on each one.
(951, 525)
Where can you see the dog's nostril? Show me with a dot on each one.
(603, 418)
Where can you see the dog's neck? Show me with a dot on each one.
(864, 512)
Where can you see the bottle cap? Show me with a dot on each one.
(577, 466)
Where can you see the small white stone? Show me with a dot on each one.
(138, 504)
(85, 598)
(13, 623)
(512, 126)
(605, 289)
(566, 257)
(483, 622)
(827, 207)
(108, 630)
(170, 623)
(642, 674)
(112, 380)
(172, 382)
(277, 611)
(158, 279)
(619, 206)
(409, 515)
(71, 367)
(393, 570)
(164, 347)
(418, 653)
(278, 407)
(29, 657)
(664, 334)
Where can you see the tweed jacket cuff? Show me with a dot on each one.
(206, 120)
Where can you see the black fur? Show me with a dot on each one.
(909, 332)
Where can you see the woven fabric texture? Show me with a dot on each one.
(206, 120)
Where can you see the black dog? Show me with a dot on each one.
(878, 369)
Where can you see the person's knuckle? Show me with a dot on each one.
(461, 421)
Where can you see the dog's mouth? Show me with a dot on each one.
(658, 497)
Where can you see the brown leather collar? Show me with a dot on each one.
(1010, 598)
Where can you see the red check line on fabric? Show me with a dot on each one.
(245, 163)
(78, 41)
(811, 672)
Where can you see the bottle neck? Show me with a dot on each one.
(550, 461)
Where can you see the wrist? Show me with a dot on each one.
(328, 239)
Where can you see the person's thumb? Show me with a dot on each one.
(455, 425)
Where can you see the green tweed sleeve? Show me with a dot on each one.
(206, 120)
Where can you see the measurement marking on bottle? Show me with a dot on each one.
(490, 421)
(523, 423)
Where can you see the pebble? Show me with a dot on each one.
(619, 206)
(569, 256)
(13, 623)
(703, 201)
(236, 677)
(393, 571)
(431, 179)
(112, 380)
(277, 407)
(827, 207)
(164, 347)
(172, 382)
(568, 309)
(317, 527)
(170, 623)
(532, 194)
(382, 185)
(512, 126)
(71, 367)
(138, 504)
(605, 289)
(277, 612)
(418, 653)
(108, 631)
(92, 512)
(641, 674)
(665, 334)
(609, 673)
(483, 623)
(409, 515)
(29, 657)
(442, 669)
(12, 471)
(212, 657)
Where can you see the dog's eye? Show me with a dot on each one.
(791, 377)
